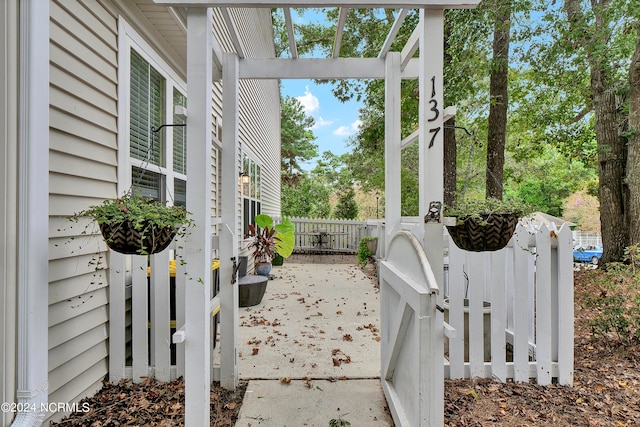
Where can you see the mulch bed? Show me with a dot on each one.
(606, 390)
(151, 403)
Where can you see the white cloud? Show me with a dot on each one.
(348, 130)
(309, 102)
(320, 122)
(342, 131)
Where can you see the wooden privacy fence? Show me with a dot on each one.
(146, 307)
(332, 235)
(515, 307)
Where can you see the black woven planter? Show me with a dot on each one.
(490, 232)
(123, 238)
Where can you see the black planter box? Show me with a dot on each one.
(251, 290)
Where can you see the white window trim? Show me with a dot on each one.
(245, 152)
(129, 38)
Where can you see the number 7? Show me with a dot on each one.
(434, 131)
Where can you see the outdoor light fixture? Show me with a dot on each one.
(245, 178)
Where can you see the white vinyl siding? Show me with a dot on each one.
(82, 171)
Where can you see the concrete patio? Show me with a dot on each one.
(311, 349)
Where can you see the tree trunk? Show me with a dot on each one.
(633, 146)
(611, 144)
(499, 100)
(450, 162)
(450, 144)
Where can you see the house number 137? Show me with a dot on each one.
(436, 112)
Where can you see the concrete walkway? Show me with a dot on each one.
(311, 349)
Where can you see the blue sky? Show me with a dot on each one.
(335, 121)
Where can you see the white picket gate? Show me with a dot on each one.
(146, 307)
(412, 331)
(517, 306)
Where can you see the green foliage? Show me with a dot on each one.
(347, 208)
(364, 253)
(144, 214)
(615, 300)
(308, 198)
(296, 137)
(269, 238)
(476, 208)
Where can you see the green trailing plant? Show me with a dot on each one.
(134, 213)
(364, 253)
(269, 239)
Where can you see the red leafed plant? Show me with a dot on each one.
(263, 243)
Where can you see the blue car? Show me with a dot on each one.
(590, 254)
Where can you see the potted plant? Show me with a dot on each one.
(483, 225)
(134, 224)
(269, 239)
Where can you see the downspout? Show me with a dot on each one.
(33, 212)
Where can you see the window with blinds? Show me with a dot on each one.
(146, 106)
(152, 94)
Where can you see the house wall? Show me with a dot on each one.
(8, 202)
(82, 171)
(84, 167)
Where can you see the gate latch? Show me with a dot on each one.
(235, 270)
(433, 215)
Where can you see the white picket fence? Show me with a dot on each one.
(341, 235)
(529, 321)
(516, 305)
(146, 306)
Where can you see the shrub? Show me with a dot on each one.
(615, 300)
(364, 253)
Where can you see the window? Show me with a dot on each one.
(251, 198)
(158, 159)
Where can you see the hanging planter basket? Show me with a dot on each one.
(134, 224)
(483, 232)
(126, 239)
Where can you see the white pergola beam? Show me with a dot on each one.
(393, 32)
(320, 68)
(233, 31)
(290, 33)
(410, 48)
(342, 18)
(410, 139)
(351, 4)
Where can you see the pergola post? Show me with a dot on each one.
(431, 140)
(431, 188)
(198, 244)
(392, 150)
(229, 227)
